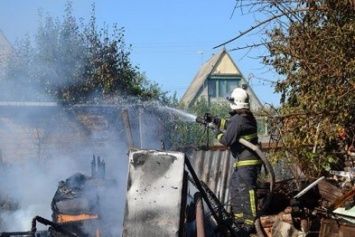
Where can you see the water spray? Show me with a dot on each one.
(187, 116)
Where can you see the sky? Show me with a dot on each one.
(170, 39)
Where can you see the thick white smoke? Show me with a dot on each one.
(58, 144)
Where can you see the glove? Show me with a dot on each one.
(209, 118)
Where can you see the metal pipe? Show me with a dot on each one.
(200, 223)
(50, 223)
(309, 187)
(9, 234)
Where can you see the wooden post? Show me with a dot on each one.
(127, 125)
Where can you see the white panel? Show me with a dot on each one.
(154, 193)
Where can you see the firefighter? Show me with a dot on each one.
(247, 165)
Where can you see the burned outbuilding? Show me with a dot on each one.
(185, 193)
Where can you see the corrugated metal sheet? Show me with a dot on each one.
(214, 167)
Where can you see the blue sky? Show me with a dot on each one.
(170, 39)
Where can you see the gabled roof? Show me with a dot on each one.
(200, 78)
(220, 64)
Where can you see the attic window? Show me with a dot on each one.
(221, 87)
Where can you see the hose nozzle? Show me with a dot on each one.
(200, 120)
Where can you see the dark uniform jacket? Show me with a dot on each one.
(239, 125)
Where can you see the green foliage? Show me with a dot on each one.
(19, 66)
(315, 54)
(191, 134)
(77, 63)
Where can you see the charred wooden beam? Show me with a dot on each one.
(329, 191)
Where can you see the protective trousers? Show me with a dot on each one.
(243, 198)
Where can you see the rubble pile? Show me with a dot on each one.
(323, 208)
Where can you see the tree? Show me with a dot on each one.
(311, 45)
(77, 63)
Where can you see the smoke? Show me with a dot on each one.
(43, 145)
(27, 190)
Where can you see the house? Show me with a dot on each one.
(215, 81)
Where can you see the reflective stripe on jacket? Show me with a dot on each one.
(239, 126)
(242, 163)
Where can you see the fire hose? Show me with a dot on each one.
(268, 167)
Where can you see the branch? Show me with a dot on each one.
(302, 114)
(260, 24)
(250, 46)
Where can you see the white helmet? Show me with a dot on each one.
(239, 99)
